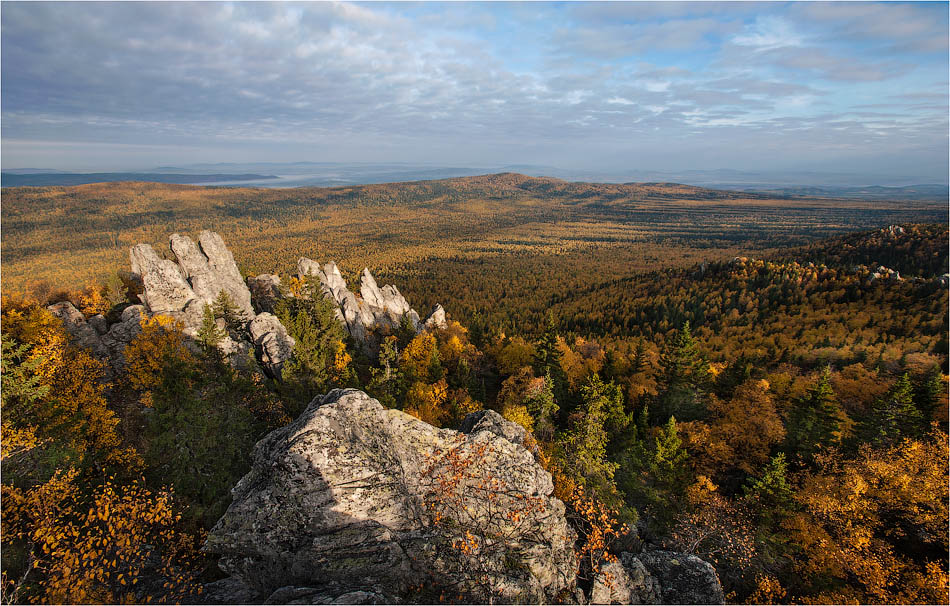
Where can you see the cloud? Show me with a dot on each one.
(466, 82)
(768, 33)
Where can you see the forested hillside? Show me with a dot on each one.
(782, 415)
(62, 236)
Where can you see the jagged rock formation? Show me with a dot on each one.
(181, 290)
(204, 271)
(349, 494)
(106, 341)
(376, 311)
(265, 291)
(273, 344)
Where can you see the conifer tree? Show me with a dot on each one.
(584, 448)
(927, 391)
(771, 491)
(815, 420)
(547, 360)
(684, 380)
(669, 460)
(893, 416)
(223, 307)
(209, 336)
(543, 408)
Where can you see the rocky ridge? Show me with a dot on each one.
(356, 503)
(181, 289)
(375, 310)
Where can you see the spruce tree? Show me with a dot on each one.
(683, 379)
(547, 360)
(815, 420)
(209, 336)
(927, 391)
(543, 407)
(893, 416)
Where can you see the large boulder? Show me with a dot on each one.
(685, 579)
(265, 291)
(226, 272)
(211, 270)
(436, 319)
(371, 501)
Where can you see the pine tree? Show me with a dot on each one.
(584, 448)
(639, 357)
(684, 380)
(815, 420)
(317, 333)
(543, 408)
(771, 491)
(223, 307)
(611, 402)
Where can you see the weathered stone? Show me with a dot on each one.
(211, 270)
(377, 311)
(491, 421)
(436, 319)
(265, 291)
(684, 579)
(165, 287)
(80, 332)
(231, 590)
(369, 290)
(121, 334)
(339, 497)
(99, 324)
(226, 272)
(273, 344)
(625, 581)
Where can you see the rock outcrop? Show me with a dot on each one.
(377, 311)
(265, 291)
(684, 579)
(273, 345)
(626, 581)
(366, 499)
(202, 273)
(81, 332)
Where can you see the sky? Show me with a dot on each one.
(843, 86)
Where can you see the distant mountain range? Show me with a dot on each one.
(330, 174)
(51, 178)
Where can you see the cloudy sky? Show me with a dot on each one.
(855, 87)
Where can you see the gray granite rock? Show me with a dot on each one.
(340, 497)
(165, 287)
(684, 579)
(274, 345)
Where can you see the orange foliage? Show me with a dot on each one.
(425, 401)
(854, 511)
(98, 550)
(159, 341)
